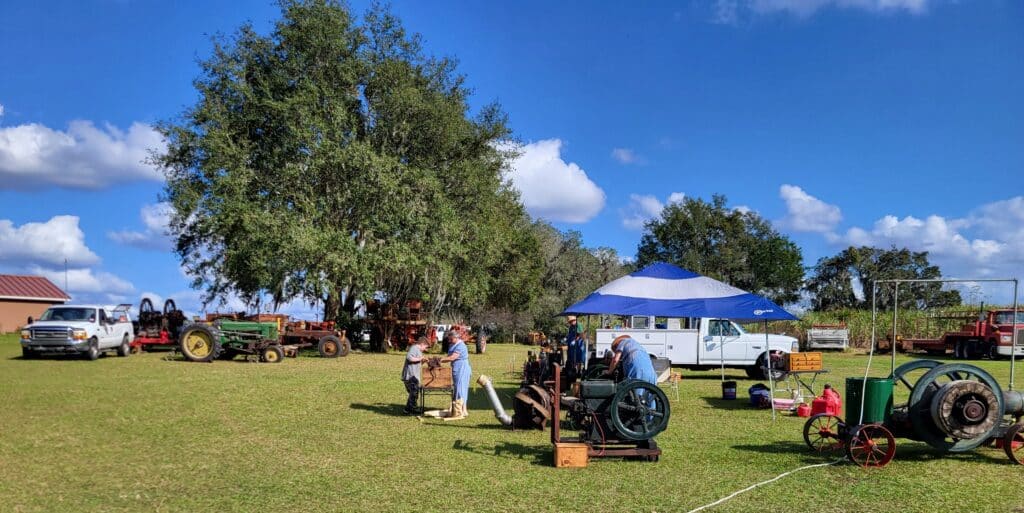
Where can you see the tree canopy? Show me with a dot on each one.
(737, 247)
(832, 284)
(332, 159)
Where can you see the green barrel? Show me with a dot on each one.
(877, 400)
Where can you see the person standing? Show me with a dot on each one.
(458, 355)
(412, 374)
(576, 345)
(635, 361)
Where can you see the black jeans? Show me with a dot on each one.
(412, 385)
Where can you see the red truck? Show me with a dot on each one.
(991, 334)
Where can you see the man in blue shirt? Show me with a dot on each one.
(636, 362)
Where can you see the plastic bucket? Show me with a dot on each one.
(729, 390)
(877, 394)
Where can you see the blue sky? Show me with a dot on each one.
(882, 122)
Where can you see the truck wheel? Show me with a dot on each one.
(198, 343)
(754, 372)
(993, 352)
(93, 352)
(125, 348)
(27, 354)
(329, 346)
(272, 354)
(958, 348)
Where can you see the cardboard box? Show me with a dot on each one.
(571, 454)
(796, 362)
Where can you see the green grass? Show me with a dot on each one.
(310, 434)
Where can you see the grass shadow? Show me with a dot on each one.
(907, 451)
(535, 455)
(729, 404)
(716, 377)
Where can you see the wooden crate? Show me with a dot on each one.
(570, 454)
(796, 362)
(441, 378)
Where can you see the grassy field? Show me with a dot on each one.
(310, 434)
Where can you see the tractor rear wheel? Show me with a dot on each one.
(272, 354)
(199, 343)
(331, 346)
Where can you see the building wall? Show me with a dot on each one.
(13, 313)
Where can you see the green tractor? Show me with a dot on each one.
(225, 339)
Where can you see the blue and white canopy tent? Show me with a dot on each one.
(664, 290)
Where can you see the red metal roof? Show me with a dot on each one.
(29, 287)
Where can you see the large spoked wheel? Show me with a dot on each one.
(824, 433)
(920, 405)
(329, 347)
(198, 343)
(272, 354)
(871, 445)
(595, 371)
(639, 410)
(1013, 443)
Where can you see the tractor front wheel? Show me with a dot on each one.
(272, 354)
(824, 433)
(331, 346)
(198, 343)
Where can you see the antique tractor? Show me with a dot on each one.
(225, 339)
(157, 328)
(952, 407)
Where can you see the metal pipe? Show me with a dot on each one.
(499, 412)
(895, 308)
(1013, 334)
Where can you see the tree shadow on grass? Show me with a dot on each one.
(716, 377)
(392, 410)
(535, 455)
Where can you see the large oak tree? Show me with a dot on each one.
(331, 159)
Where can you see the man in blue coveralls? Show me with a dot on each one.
(635, 361)
(576, 345)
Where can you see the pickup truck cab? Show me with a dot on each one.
(702, 343)
(79, 329)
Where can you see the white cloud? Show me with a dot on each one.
(987, 243)
(729, 12)
(86, 283)
(83, 157)
(552, 188)
(805, 213)
(48, 243)
(155, 218)
(644, 207)
(626, 156)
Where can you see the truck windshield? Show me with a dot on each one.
(1006, 317)
(69, 314)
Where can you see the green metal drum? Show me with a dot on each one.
(877, 400)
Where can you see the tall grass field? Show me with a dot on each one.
(145, 433)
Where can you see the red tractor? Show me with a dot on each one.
(993, 334)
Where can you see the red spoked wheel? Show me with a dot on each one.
(1013, 443)
(871, 445)
(824, 433)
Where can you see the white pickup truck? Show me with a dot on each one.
(698, 343)
(79, 329)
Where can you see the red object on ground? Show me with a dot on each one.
(804, 410)
(829, 403)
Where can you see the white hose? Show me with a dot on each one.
(751, 487)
